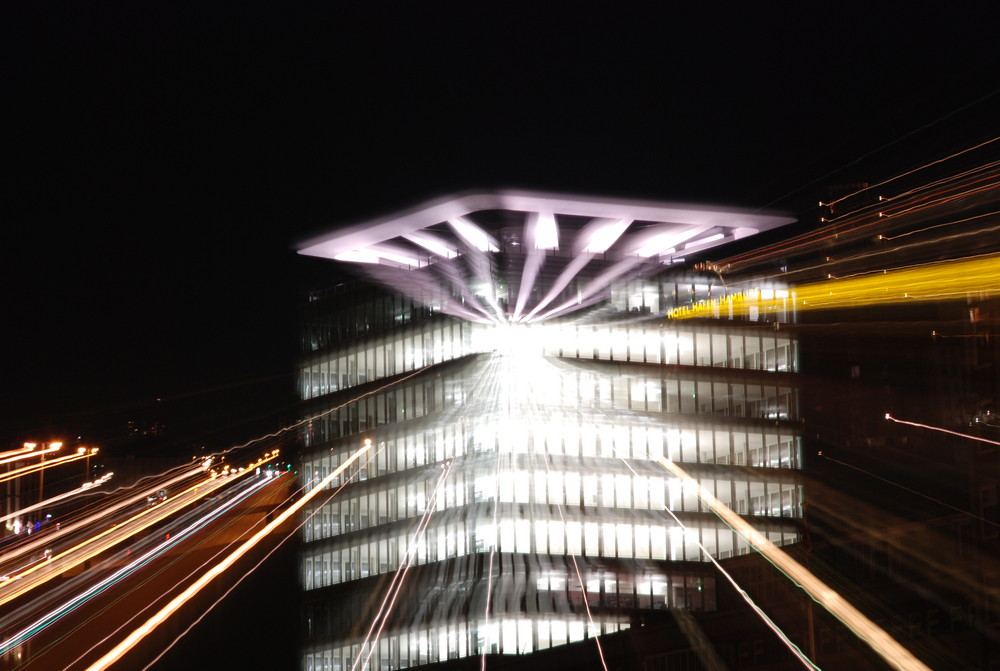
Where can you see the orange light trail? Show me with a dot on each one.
(34, 468)
(880, 641)
(914, 170)
(21, 450)
(24, 453)
(928, 282)
(909, 202)
(161, 616)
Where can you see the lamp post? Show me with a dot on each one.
(41, 473)
(88, 453)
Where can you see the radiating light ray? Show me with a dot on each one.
(446, 241)
(109, 503)
(941, 430)
(473, 235)
(532, 264)
(541, 231)
(164, 613)
(25, 580)
(600, 234)
(566, 276)
(432, 243)
(665, 240)
(953, 177)
(877, 638)
(493, 551)
(928, 196)
(188, 469)
(594, 289)
(429, 289)
(955, 222)
(82, 524)
(493, 545)
(448, 278)
(524, 372)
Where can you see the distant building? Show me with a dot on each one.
(509, 358)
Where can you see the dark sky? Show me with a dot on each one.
(163, 158)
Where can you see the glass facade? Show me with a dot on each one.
(512, 500)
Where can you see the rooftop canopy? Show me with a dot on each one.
(444, 251)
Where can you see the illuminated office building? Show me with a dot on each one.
(509, 358)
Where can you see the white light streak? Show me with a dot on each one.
(85, 487)
(432, 243)
(877, 638)
(942, 430)
(389, 601)
(472, 234)
(161, 616)
(601, 234)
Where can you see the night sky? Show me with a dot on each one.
(163, 159)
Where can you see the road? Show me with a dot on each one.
(131, 581)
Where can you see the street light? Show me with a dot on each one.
(41, 472)
(88, 453)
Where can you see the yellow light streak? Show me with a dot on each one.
(161, 616)
(28, 451)
(930, 282)
(880, 641)
(34, 468)
(20, 450)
